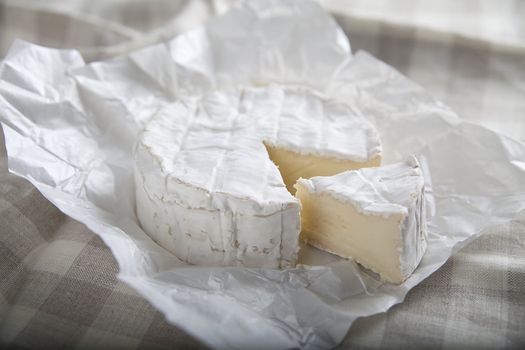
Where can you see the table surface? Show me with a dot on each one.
(58, 284)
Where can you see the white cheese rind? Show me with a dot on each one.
(382, 190)
(307, 122)
(395, 190)
(206, 188)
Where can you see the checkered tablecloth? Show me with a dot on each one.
(58, 285)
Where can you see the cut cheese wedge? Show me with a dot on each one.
(375, 216)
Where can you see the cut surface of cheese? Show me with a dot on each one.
(374, 215)
(206, 187)
(293, 165)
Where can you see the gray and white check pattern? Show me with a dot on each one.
(58, 285)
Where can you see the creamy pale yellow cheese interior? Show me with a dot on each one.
(293, 165)
(335, 226)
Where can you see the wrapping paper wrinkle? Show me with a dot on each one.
(70, 129)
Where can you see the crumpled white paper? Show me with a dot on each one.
(70, 127)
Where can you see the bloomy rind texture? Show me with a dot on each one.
(206, 188)
(310, 123)
(382, 190)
